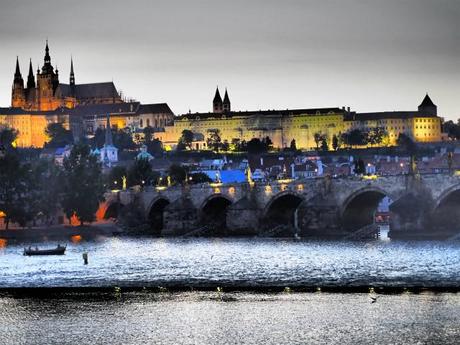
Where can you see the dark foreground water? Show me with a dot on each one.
(235, 262)
(231, 318)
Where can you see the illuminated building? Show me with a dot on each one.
(301, 125)
(81, 108)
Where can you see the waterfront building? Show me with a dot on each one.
(300, 125)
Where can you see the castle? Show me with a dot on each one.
(301, 125)
(82, 108)
(47, 93)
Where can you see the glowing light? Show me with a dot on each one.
(283, 187)
(231, 191)
(215, 184)
(161, 187)
(2, 214)
(3, 243)
(370, 177)
(268, 189)
(76, 239)
(285, 180)
(300, 187)
(216, 190)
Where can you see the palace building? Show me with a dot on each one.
(80, 107)
(301, 125)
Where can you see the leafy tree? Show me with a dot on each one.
(199, 177)
(115, 177)
(83, 187)
(225, 146)
(268, 143)
(185, 140)
(335, 142)
(13, 187)
(214, 140)
(148, 134)
(359, 168)
(122, 139)
(317, 137)
(452, 129)
(324, 145)
(376, 135)
(59, 136)
(293, 146)
(256, 146)
(406, 143)
(7, 139)
(177, 173)
(355, 137)
(141, 173)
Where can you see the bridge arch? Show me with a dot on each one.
(213, 211)
(446, 211)
(359, 208)
(282, 207)
(156, 214)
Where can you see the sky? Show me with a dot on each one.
(370, 55)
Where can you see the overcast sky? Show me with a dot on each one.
(369, 55)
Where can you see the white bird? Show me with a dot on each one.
(373, 298)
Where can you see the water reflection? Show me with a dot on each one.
(239, 318)
(238, 262)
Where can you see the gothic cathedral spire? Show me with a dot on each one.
(30, 77)
(217, 102)
(226, 103)
(72, 75)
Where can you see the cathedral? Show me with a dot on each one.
(45, 93)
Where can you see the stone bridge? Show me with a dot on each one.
(309, 207)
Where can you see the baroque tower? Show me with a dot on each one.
(217, 105)
(226, 103)
(18, 97)
(47, 83)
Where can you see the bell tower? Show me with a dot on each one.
(18, 96)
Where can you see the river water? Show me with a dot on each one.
(231, 318)
(234, 262)
(117, 314)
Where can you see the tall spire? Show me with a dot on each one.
(72, 75)
(30, 78)
(226, 103)
(217, 102)
(17, 73)
(47, 67)
(108, 133)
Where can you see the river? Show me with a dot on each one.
(234, 262)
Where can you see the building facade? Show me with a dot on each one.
(301, 125)
(83, 108)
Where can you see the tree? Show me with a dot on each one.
(317, 137)
(268, 143)
(256, 146)
(376, 135)
(406, 143)
(324, 145)
(177, 173)
(225, 146)
(293, 146)
(83, 187)
(452, 129)
(359, 167)
(235, 145)
(122, 139)
(141, 173)
(185, 140)
(115, 177)
(59, 136)
(335, 142)
(355, 137)
(199, 177)
(214, 140)
(148, 134)
(13, 188)
(7, 139)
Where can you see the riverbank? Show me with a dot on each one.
(61, 232)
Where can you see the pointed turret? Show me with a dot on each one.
(17, 73)
(428, 107)
(47, 67)
(18, 94)
(226, 103)
(72, 75)
(217, 105)
(30, 77)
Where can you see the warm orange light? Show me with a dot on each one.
(2, 214)
(3, 243)
(231, 191)
(300, 187)
(74, 220)
(76, 239)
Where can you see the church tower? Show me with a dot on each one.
(31, 77)
(18, 96)
(47, 83)
(226, 103)
(428, 107)
(217, 105)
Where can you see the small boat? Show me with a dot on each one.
(59, 250)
